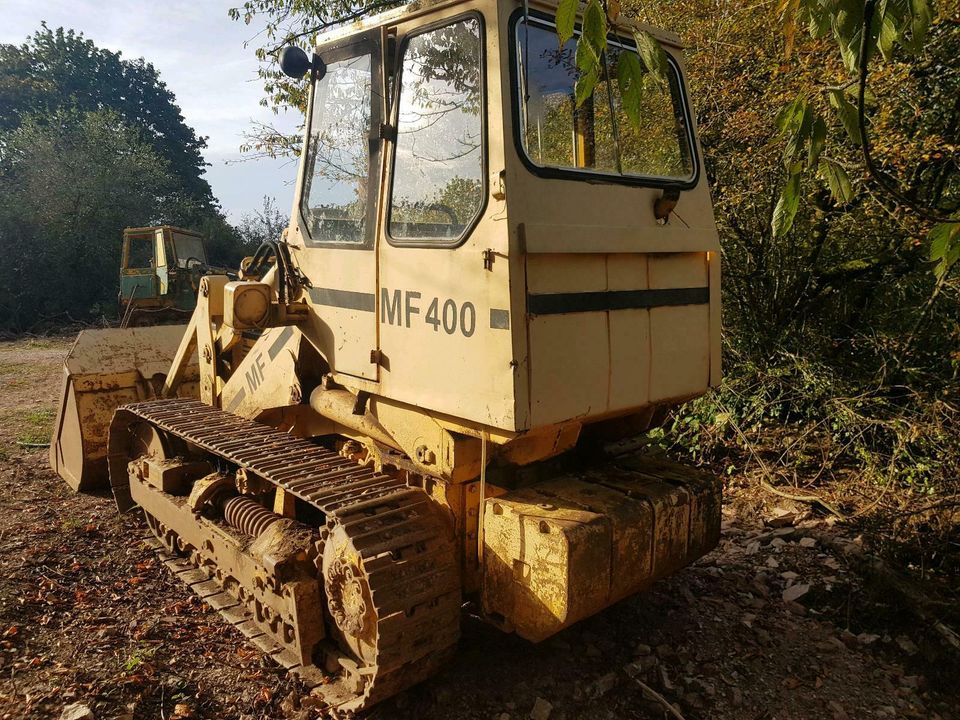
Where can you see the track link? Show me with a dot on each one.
(386, 558)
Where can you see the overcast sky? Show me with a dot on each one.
(199, 54)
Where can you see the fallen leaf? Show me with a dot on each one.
(795, 591)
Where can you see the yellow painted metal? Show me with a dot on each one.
(561, 550)
(106, 369)
(344, 349)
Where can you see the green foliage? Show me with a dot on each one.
(60, 69)
(260, 226)
(69, 184)
(590, 56)
(808, 413)
(847, 113)
(786, 209)
(944, 247)
(566, 19)
(892, 24)
(837, 180)
(630, 81)
(89, 144)
(652, 54)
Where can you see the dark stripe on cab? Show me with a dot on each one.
(365, 302)
(561, 303)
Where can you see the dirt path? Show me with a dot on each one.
(87, 615)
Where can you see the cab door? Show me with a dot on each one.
(337, 204)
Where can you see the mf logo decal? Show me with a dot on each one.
(255, 374)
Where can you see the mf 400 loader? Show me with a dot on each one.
(421, 396)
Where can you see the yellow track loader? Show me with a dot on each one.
(426, 395)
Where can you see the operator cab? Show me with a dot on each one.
(152, 260)
(478, 245)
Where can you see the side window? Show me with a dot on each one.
(140, 255)
(438, 166)
(556, 134)
(334, 198)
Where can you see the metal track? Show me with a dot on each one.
(405, 549)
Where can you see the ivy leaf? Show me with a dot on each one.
(837, 180)
(630, 81)
(847, 112)
(818, 138)
(566, 19)
(944, 247)
(787, 205)
(653, 56)
(595, 27)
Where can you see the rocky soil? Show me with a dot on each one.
(786, 619)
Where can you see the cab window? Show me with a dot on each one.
(189, 249)
(558, 136)
(438, 187)
(335, 194)
(140, 252)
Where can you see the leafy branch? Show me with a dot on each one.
(650, 60)
(861, 30)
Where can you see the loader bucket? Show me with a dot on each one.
(104, 370)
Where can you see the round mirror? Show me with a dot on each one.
(294, 62)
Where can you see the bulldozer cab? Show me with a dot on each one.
(156, 266)
(370, 423)
(494, 247)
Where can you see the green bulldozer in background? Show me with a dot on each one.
(160, 273)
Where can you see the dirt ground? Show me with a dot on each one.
(777, 623)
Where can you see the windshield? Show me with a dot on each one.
(188, 247)
(334, 198)
(556, 134)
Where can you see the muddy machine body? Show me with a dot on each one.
(423, 395)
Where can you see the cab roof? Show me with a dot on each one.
(419, 7)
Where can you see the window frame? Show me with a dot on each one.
(444, 243)
(584, 174)
(346, 49)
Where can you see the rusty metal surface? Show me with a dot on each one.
(561, 550)
(103, 370)
(385, 558)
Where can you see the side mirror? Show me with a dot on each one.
(294, 62)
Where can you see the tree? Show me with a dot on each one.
(68, 187)
(287, 22)
(61, 70)
(260, 226)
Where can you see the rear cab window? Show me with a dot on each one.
(558, 139)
